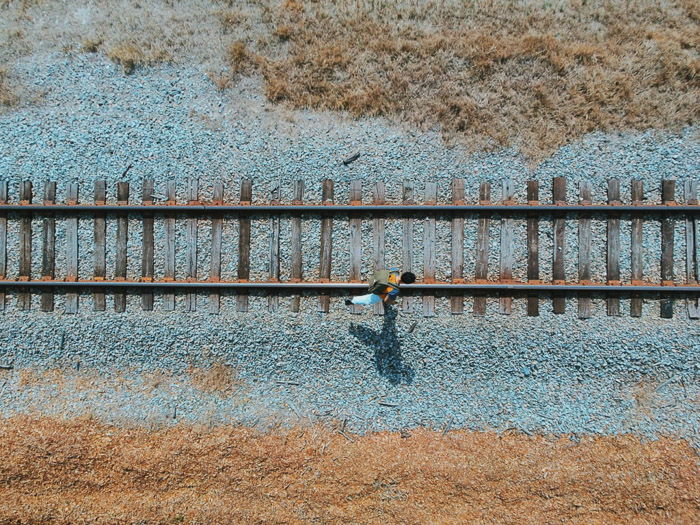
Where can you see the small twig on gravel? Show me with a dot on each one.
(175, 412)
(351, 158)
(412, 327)
(669, 380)
(667, 406)
(291, 405)
(346, 436)
(448, 425)
(127, 170)
(385, 404)
(6, 366)
(293, 383)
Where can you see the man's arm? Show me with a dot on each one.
(390, 297)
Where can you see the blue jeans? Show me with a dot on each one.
(370, 298)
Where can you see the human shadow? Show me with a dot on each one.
(387, 348)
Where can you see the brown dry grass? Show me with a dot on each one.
(130, 55)
(23, 4)
(91, 45)
(494, 73)
(7, 94)
(217, 379)
(240, 58)
(84, 472)
(534, 75)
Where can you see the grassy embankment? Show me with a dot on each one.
(487, 74)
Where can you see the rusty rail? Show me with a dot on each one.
(343, 209)
(355, 286)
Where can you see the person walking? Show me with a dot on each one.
(384, 286)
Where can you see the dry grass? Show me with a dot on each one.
(240, 58)
(82, 472)
(91, 45)
(221, 80)
(534, 75)
(501, 73)
(130, 55)
(217, 379)
(21, 4)
(131, 32)
(7, 94)
(127, 55)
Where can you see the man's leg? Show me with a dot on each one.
(368, 299)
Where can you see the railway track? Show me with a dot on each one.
(562, 288)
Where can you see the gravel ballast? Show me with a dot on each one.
(545, 374)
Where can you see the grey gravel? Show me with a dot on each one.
(545, 374)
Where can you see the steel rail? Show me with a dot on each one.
(325, 209)
(296, 286)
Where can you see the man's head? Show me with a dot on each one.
(408, 277)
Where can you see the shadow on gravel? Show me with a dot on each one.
(387, 348)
